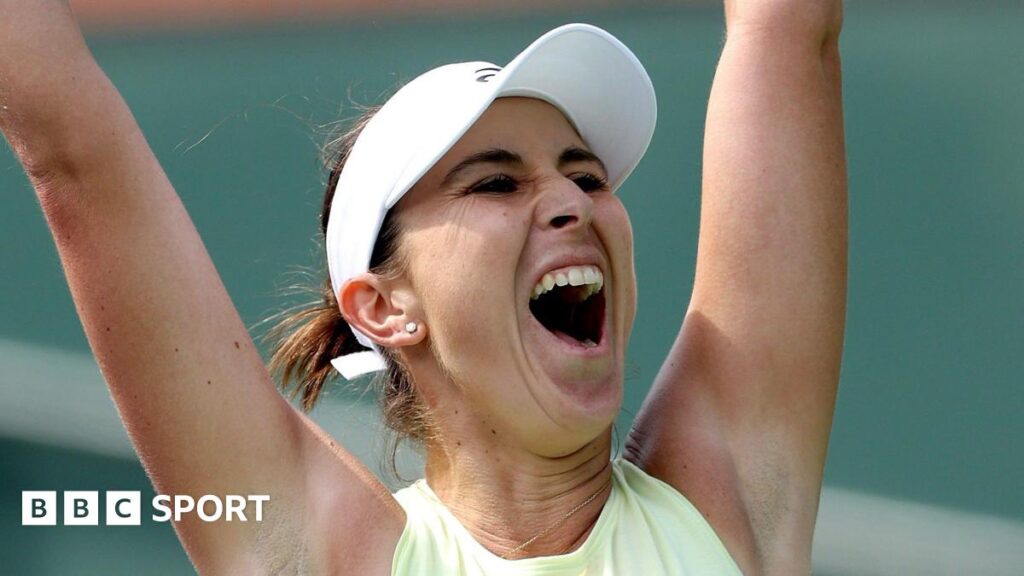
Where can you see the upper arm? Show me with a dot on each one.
(740, 413)
(191, 388)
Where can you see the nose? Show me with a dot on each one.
(563, 205)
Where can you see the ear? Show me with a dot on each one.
(381, 311)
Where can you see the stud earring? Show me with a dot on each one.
(411, 327)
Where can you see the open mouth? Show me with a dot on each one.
(571, 302)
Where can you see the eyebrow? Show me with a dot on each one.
(490, 156)
(574, 154)
(570, 155)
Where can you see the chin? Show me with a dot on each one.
(585, 412)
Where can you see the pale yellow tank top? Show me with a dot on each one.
(647, 528)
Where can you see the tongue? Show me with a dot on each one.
(587, 343)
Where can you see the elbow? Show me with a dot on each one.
(54, 174)
(46, 154)
(67, 130)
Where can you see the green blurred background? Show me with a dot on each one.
(929, 423)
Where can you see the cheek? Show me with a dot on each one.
(617, 234)
(464, 276)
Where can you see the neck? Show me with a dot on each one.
(506, 496)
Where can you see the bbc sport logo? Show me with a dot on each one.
(124, 508)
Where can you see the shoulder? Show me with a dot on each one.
(432, 538)
(688, 453)
(643, 490)
(428, 522)
(662, 512)
(352, 529)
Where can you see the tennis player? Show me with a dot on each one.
(479, 260)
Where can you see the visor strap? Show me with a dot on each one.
(358, 363)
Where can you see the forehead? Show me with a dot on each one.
(532, 129)
(527, 121)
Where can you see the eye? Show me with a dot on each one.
(497, 184)
(589, 182)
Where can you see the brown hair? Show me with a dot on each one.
(306, 338)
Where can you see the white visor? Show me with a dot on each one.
(586, 73)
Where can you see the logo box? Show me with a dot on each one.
(81, 508)
(124, 507)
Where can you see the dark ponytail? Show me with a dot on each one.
(304, 340)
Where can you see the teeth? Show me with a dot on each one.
(588, 276)
(575, 277)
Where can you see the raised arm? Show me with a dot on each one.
(740, 414)
(190, 386)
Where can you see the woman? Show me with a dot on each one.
(446, 275)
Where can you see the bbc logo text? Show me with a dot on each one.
(124, 508)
